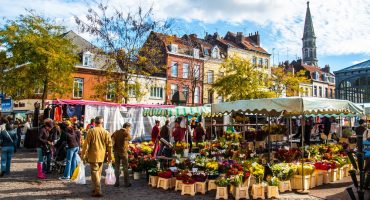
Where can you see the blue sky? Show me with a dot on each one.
(342, 27)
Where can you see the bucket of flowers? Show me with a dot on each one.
(199, 177)
(272, 188)
(257, 171)
(212, 170)
(165, 174)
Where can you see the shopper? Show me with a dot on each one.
(98, 143)
(73, 145)
(165, 134)
(43, 147)
(8, 137)
(120, 141)
(362, 134)
(155, 131)
(178, 133)
(200, 133)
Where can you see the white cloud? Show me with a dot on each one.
(341, 27)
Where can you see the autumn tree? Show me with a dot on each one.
(120, 36)
(282, 80)
(242, 80)
(39, 57)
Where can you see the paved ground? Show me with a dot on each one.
(23, 184)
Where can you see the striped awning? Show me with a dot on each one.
(177, 111)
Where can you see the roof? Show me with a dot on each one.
(362, 65)
(247, 42)
(172, 39)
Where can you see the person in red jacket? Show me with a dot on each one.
(178, 132)
(155, 131)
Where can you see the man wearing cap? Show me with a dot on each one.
(120, 139)
(98, 143)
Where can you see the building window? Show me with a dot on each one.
(185, 91)
(331, 93)
(320, 91)
(306, 92)
(210, 96)
(173, 89)
(210, 76)
(196, 95)
(185, 70)
(132, 92)
(197, 71)
(156, 92)
(110, 94)
(326, 92)
(174, 69)
(196, 53)
(260, 62)
(206, 52)
(216, 53)
(266, 62)
(315, 91)
(254, 60)
(173, 48)
(87, 59)
(78, 87)
(219, 99)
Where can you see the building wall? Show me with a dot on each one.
(215, 66)
(353, 85)
(179, 80)
(146, 84)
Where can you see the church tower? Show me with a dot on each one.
(309, 40)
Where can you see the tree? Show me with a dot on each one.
(120, 37)
(282, 80)
(39, 57)
(242, 80)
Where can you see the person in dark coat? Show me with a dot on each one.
(8, 137)
(73, 147)
(44, 148)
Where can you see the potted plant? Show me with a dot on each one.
(284, 173)
(272, 188)
(222, 183)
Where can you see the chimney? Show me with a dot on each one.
(326, 69)
(216, 35)
(239, 37)
(255, 38)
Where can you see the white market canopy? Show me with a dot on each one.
(177, 111)
(289, 106)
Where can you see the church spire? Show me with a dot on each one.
(309, 40)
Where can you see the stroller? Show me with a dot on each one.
(58, 160)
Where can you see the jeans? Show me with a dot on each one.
(119, 158)
(6, 158)
(42, 157)
(71, 161)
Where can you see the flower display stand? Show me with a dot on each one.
(201, 187)
(258, 191)
(272, 191)
(173, 182)
(333, 175)
(178, 185)
(136, 175)
(313, 180)
(153, 181)
(221, 193)
(319, 177)
(340, 173)
(164, 183)
(188, 189)
(346, 170)
(240, 192)
(325, 176)
(211, 185)
(285, 186)
(297, 182)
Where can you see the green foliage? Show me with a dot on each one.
(242, 81)
(284, 80)
(41, 57)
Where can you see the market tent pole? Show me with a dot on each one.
(212, 124)
(269, 139)
(303, 191)
(290, 131)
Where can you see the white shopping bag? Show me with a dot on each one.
(110, 178)
(81, 177)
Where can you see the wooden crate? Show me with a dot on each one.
(285, 186)
(297, 182)
(188, 189)
(212, 185)
(319, 177)
(258, 191)
(272, 191)
(313, 180)
(333, 175)
(153, 181)
(221, 193)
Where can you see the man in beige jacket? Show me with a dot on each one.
(98, 144)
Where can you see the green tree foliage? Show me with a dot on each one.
(40, 57)
(120, 35)
(242, 80)
(282, 80)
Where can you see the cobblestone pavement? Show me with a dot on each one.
(23, 184)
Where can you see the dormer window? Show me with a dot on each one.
(174, 48)
(324, 78)
(87, 59)
(315, 75)
(216, 53)
(196, 53)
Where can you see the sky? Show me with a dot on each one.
(342, 27)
